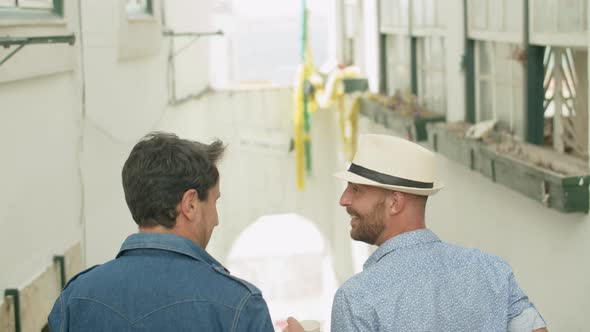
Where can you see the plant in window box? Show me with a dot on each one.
(556, 180)
(450, 139)
(402, 114)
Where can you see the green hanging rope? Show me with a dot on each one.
(306, 119)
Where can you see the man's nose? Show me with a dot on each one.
(344, 200)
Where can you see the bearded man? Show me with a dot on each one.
(414, 281)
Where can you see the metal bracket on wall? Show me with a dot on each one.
(173, 99)
(14, 293)
(61, 260)
(196, 35)
(172, 33)
(24, 41)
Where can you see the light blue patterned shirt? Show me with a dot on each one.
(415, 282)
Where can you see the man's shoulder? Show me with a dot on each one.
(357, 284)
(192, 271)
(479, 256)
(226, 277)
(474, 261)
(76, 277)
(443, 257)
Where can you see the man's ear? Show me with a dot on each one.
(395, 202)
(190, 203)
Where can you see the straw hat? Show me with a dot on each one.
(392, 163)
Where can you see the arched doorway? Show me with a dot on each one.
(287, 257)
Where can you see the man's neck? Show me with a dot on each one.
(157, 229)
(176, 230)
(390, 234)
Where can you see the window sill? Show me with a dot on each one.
(428, 31)
(43, 20)
(560, 39)
(141, 18)
(139, 35)
(563, 190)
(57, 58)
(493, 36)
(395, 30)
(413, 127)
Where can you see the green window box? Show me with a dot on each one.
(557, 181)
(410, 125)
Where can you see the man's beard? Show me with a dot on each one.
(370, 225)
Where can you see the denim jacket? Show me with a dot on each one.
(159, 282)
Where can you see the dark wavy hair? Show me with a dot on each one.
(160, 169)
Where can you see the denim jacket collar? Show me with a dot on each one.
(169, 242)
(417, 237)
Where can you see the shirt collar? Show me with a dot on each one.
(404, 240)
(169, 242)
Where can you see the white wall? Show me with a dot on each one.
(40, 201)
(125, 97)
(68, 123)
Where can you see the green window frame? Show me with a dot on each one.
(396, 62)
(499, 86)
(429, 72)
(138, 8)
(31, 9)
(395, 44)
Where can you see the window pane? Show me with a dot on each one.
(519, 113)
(397, 69)
(431, 73)
(485, 101)
(402, 78)
(484, 58)
(436, 92)
(503, 62)
(427, 55)
(402, 48)
(389, 63)
(504, 106)
(398, 63)
(137, 6)
(44, 4)
(437, 52)
(422, 63)
(517, 72)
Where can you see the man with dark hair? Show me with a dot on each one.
(163, 279)
(414, 281)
